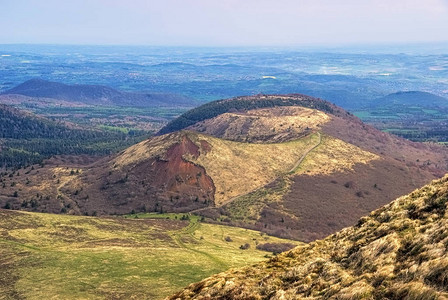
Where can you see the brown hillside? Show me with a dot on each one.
(397, 252)
(431, 157)
(291, 171)
(182, 171)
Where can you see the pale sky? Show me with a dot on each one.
(223, 22)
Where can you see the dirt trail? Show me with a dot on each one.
(297, 165)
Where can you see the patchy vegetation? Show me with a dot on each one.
(397, 252)
(338, 156)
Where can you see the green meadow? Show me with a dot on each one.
(45, 256)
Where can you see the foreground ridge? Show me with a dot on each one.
(397, 252)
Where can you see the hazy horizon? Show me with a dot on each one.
(230, 23)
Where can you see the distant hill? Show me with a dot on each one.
(411, 98)
(397, 252)
(289, 165)
(95, 94)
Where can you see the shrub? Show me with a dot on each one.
(275, 247)
(245, 246)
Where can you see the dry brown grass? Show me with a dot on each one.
(334, 155)
(153, 147)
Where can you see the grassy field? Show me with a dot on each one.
(144, 256)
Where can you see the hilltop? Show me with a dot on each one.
(289, 165)
(397, 252)
(94, 94)
(216, 108)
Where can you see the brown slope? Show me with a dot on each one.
(397, 252)
(428, 156)
(328, 203)
(274, 183)
(327, 193)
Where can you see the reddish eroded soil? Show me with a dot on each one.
(177, 174)
(166, 183)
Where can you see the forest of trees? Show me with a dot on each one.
(26, 139)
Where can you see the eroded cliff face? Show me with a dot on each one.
(157, 175)
(175, 175)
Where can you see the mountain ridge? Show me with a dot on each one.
(94, 94)
(419, 98)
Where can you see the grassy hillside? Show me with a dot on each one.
(399, 251)
(44, 256)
